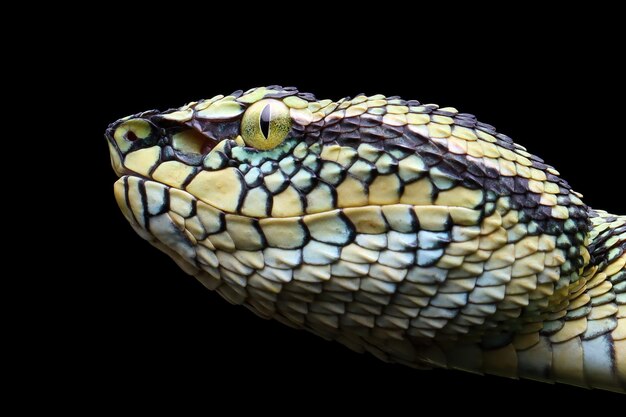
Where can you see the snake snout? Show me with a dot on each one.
(131, 141)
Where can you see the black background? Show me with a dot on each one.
(140, 322)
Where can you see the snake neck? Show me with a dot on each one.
(607, 245)
(580, 338)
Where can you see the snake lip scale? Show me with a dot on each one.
(412, 232)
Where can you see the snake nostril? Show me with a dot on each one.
(131, 136)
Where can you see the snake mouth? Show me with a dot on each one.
(175, 222)
(115, 154)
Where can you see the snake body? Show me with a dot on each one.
(406, 230)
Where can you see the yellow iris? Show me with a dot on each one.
(265, 124)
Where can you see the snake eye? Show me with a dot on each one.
(265, 124)
(131, 131)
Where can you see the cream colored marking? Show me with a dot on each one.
(206, 103)
(495, 240)
(319, 199)
(464, 216)
(179, 116)
(457, 146)
(432, 218)
(283, 233)
(222, 241)
(206, 256)
(448, 261)
(538, 175)
(507, 154)
(375, 242)
(327, 227)
(475, 149)
(195, 227)
(490, 150)
(491, 224)
(228, 261)
(395, 119)
(418, 193)
(551, 188)
(377, 101)
(603, 311)
(619, 333)
(180, 202)
(351, 193)
(252, 259)
(485, 136)
(357, 254)
(464, 133)
(395, 259)
(536, 186)
(526, 246)
(570, 329)
(255, 203)
(254, 95)
(287, 204)
(501, 257)
(142, 160)
(394, 109)
(172, 173)
(302, 117)
(120, 197)
(282, 258)
(190, 141)
(356, 110)
(560, 212)
(368, 152)
(384, 190)
(367, 219)
(222, 109)
(507, 168)
(616, 266)
(601, 289)
(463, 248)
(460, 197)
(436, 130)
(296, 102)
(243, 232)
(522, 171)
(221, 189)
(419, 129)
(399, 217)
(312, 273)
(417, 118)
(257, 281)
(209, 216)
(275, 181)
(531, 264)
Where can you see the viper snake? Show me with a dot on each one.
(412, 232)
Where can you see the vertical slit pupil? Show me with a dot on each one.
(266, 116)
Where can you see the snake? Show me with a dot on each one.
(410, 231)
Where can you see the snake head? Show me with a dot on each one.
(411, 231)
(374, 194)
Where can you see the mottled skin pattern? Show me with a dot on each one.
(412, 232)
